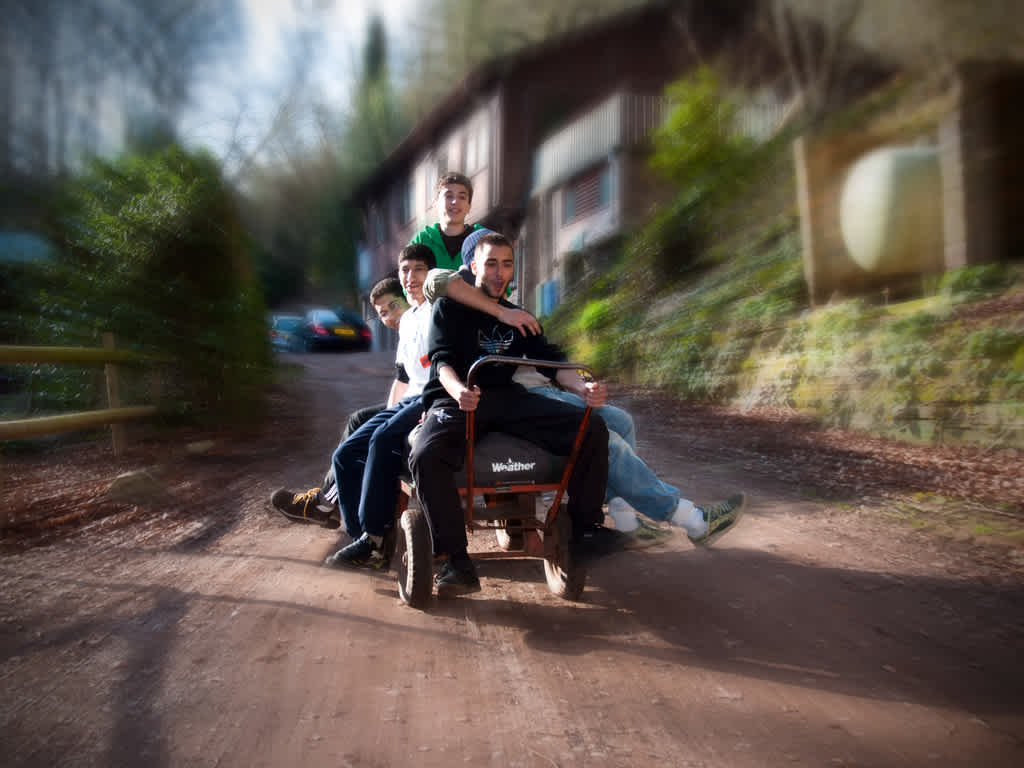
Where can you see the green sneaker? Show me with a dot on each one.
(646, 535)
(721, 518)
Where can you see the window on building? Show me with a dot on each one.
(607, 193)
(476, 145)
(471, 149)
(403, 204)
(587, 193)
(433, 171)
(568, 204)
(377, 223)
(483, 144)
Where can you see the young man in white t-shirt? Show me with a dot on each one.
(320, 505)
(367, 465)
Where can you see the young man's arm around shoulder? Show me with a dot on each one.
(449, 283)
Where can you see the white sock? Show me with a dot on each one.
(622, 515)
(689, 517)
(377, 540)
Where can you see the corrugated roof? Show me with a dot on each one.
(461, 98)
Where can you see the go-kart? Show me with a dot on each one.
(505, 485)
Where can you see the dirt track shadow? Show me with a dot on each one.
(941, 642)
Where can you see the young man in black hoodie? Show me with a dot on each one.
(458, 336)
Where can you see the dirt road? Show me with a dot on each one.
(200, 630)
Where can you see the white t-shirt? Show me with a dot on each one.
(412, 347)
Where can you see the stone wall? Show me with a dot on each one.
(916, 371)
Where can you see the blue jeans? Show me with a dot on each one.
(367, 466)
(628, 475)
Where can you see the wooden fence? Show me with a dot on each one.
(114, 414)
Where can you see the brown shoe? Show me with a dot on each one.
(302, 507)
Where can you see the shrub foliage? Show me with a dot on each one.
(153, 250)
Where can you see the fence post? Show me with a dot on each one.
(156, 385)
(117, 432)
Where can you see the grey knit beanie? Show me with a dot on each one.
(469, 244)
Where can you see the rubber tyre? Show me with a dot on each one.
(509, 539)
(414, 559)
(565, 577)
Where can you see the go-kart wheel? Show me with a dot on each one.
(565, 576)
(414, 559)
(509, 538)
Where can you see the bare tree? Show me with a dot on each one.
(816, 49)
(455, 36)
(933, 36)
(66, 62)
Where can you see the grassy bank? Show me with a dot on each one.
(945, 368)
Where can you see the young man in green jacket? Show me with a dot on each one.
(454, 198)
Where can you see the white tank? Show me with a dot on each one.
(890, 211)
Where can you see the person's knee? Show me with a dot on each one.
(419, 459)
(433, 457)
(389, 437)
(616, 445)
(617, 420)
(336, 457)
(348, 455)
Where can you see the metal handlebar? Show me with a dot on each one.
(525, 361)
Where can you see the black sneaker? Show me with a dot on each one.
(361, 553)
(308, 507)
(442, 571)
(457, 579)
(597, 541)
(721, 518)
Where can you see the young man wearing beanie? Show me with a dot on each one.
(632, 484)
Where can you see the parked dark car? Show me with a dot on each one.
(356, 320)
(282, 330)
(324, 329)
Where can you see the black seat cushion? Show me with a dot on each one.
(500, 460)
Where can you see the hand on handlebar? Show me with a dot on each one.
(519, 318)
(595, 393)
(469, 398)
